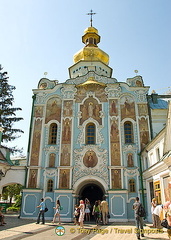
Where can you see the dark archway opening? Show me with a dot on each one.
(93, 192)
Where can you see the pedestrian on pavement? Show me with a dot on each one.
(104, 210)
(57, 212)
(96, 212)
(2, 221)
(138, 220)
(41, 212)
(153, 205)
(82, 212)
(87, 209)
(158, 216)
(76, 214)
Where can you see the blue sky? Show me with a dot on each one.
(40, 36)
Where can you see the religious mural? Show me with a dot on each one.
(81, 94)
(64, 176)
(116, 178)
(52, 157)
(142, 109)
(38, 111)
(67, 111)
(115, 143)
(113, 107)
(32, 179)
(36, 143)
(127, 107)
(92, 109)
(66, 131)
(100, 93)
(53, 110)
(65, 155)
(130, 161)
(144, 132)
(90, 159)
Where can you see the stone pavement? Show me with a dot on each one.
(17, 229)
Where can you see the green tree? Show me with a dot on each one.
(11, 191)
(7, 111)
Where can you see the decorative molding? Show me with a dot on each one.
(131, 172)
(100, 170)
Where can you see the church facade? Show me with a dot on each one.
(86, 135)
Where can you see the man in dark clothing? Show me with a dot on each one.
(138, 220)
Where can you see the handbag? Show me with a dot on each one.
(61, 208)
(164, 223)
(46, 209)
(108, 215)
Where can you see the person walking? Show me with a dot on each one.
(57, 212)
(96, 212)
(82, 212)
(138, 220)
(104, 210)
(158, 216)
(153, 205)
(41, 212)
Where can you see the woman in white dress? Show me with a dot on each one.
(87, 209)
(82, 212)
(57, 213)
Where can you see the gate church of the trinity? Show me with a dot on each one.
(85, 137)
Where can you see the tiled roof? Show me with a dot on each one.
(161, 104)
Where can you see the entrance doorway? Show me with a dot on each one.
(93, 192)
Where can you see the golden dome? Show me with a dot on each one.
(91, 52)
(91, 29)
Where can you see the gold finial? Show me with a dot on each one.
(91, 13)
(136, 71)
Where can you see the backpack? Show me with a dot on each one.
(141, 211)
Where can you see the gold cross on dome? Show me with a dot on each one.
(91, 13)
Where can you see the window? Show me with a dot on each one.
(53, 133)
(50, 185)
(131, 185)
(90, 133)
(158, 154)
(128, 132)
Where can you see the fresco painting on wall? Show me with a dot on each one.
(66, 132)
(33, 178)
(64, 177)
(53, 110)
(116, 178)
(113, 107)
(142, 109)
(90, 159)
(115, 144)
(38, 111)
(36, 143)
(144, 133)
(65, 155)
(92, 109)
(127, 107)
(67, 112)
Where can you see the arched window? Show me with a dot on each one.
(128, 131)
(50, 185)
(53, 133)
(90, 133)
(131, 185)
(52, 160)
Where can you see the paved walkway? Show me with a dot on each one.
(17, 229)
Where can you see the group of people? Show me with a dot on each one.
(159, 212)
(82, 212)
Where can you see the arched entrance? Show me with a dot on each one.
(91, 191)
